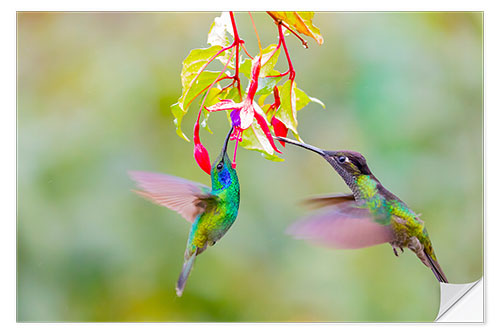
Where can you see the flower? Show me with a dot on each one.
(200, 152)
(245, 112)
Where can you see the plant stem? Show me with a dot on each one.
(256, 33)
(237, 41)
(245, 49)
(282, 40)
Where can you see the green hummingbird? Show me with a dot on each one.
(370, 215)
(211, 211)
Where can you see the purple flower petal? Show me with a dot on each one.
(235, 117)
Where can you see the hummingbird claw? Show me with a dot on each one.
(395, 249)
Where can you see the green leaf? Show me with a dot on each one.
(246, 67)
(202, 83)
(266, 84)
(231, 93)
(301, 98)
(178, 113)
(273, 158)
(269, 59)
(213, 96)
(261, 101)
(195, 63)
(219, 34)
(194, 80)
(302, 23)
(292, 100)
(204, 121)
(287, 112)
(219, 31)
(315, 100)
(253, 138)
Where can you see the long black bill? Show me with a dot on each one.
(226, 142)
(303, 145)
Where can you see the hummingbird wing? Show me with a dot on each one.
(329, 199)
(187, 198)
(343, 226)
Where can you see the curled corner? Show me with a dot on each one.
(461, 303)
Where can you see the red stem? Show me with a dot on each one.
(245, 49)
(237, 41)
(279, 75)
(235, 150)
(282, 40)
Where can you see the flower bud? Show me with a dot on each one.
(279, 128)
(202, 158)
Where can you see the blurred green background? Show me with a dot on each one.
(94, 91)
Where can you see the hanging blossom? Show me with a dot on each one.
(200, 152)
(245, 112)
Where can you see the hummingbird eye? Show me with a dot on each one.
(342, 159)
(219, 166)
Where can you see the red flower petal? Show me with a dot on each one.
(254, 80)
(277, 100)
(202, 158)
(279, 128)
(196, 133)
(200, 152)
(263, 124)
(225, 104)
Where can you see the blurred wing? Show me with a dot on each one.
(183, 196)
(344, 226)
(329, 199)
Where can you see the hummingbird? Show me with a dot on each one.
(211, 211)
(370, 215)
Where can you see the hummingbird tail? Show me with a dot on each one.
(186, 269)
(436, 269)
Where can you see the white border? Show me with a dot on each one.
(8, 149)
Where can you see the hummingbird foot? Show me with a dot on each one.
(395, 249)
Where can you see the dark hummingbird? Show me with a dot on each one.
(211, 211)
(370, 215)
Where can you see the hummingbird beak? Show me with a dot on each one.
(226, 142)
(303, 145)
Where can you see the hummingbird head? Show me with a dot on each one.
(222, 171)
(348, 164)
